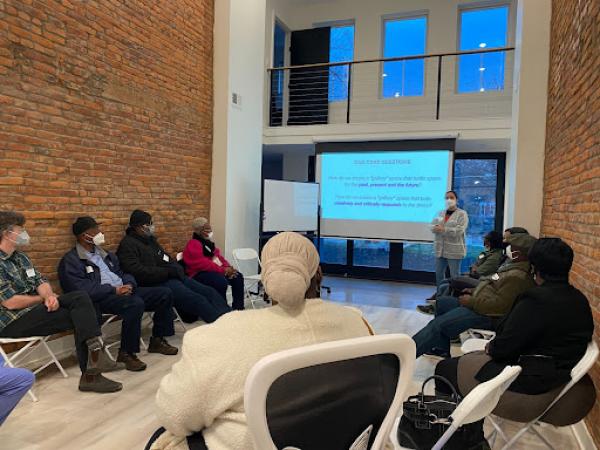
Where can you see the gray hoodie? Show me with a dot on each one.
(450, 243)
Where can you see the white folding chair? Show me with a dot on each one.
(477, 405)
(246, 256)
(477, 333)
(473, 345)
(377, 367)
(31, 343)
(577, 373)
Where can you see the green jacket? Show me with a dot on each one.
(495, 295)
(488, 262)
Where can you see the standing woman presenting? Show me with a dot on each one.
(449, 229)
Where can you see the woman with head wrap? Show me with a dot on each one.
(204, 393)
(205, 263)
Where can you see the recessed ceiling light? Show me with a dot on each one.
(481, 69)
(482, 45)
(397, 94)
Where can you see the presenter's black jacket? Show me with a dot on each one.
(146, 260)
(546, 333)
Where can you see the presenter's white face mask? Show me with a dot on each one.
(450, 203)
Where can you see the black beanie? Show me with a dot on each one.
(139, 217)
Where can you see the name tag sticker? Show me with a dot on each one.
(217, 261)
(30, 272)
(495, 277)
(89, 269)
(166, 258)
(481, 256)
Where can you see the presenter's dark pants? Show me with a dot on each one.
(220, 283)
(76, 312)
(194, 300)
(131, 308)
(194, 442)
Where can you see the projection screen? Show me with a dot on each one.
(383, 190)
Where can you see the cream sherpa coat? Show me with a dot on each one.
(205, 389)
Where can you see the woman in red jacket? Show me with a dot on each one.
(205, 264)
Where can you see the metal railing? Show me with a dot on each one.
(314, 93)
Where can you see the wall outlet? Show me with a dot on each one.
(236, 99)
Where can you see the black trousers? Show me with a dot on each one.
(195, 441)
(131, 308)
(76, 312)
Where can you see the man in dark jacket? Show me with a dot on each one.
(141, 255)
(88, 267)
(481, 307)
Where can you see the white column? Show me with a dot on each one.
(239, 46)
(525, 164)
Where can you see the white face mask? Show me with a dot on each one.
(450, 203)
(98, 239)
(22, 239)
(510, 254)
(210, 236)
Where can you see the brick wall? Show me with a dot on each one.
(105, 106)
(572, 167)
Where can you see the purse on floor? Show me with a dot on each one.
(427, 417)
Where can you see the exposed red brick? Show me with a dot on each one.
(105, 106)
(572, 166)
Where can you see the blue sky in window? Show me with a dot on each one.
(404, 37)
(341, 48)
(482, 28)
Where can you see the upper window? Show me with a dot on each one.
(341, 48)
(404, 37)
(482, 28)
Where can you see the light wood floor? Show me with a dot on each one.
(65, 419)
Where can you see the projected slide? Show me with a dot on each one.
(290, 206)
(385, 195)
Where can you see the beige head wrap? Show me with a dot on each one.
(289, 262)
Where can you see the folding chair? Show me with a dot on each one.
(577, 373)
(335, 395)
(251, 280)
(177, 319)
(477, 405)
(31, 343)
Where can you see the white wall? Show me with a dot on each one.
(239, 63)
(525, 168)
(367, 106)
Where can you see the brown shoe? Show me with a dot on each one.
(132, 362)
(93, 381)
(160, 345)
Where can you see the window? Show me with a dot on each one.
(372, 254)
(482, 28)
(333, 251)
(277, 77)
(341, 48)
(476, 183)
(404, 37)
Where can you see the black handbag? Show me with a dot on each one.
(427, 417)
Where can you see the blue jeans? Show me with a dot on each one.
(220, 283)
(14, 384)
(440, 268)
(451, 320)
(194, 300)
(443, 288)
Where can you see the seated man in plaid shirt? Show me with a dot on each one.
(29, 307)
